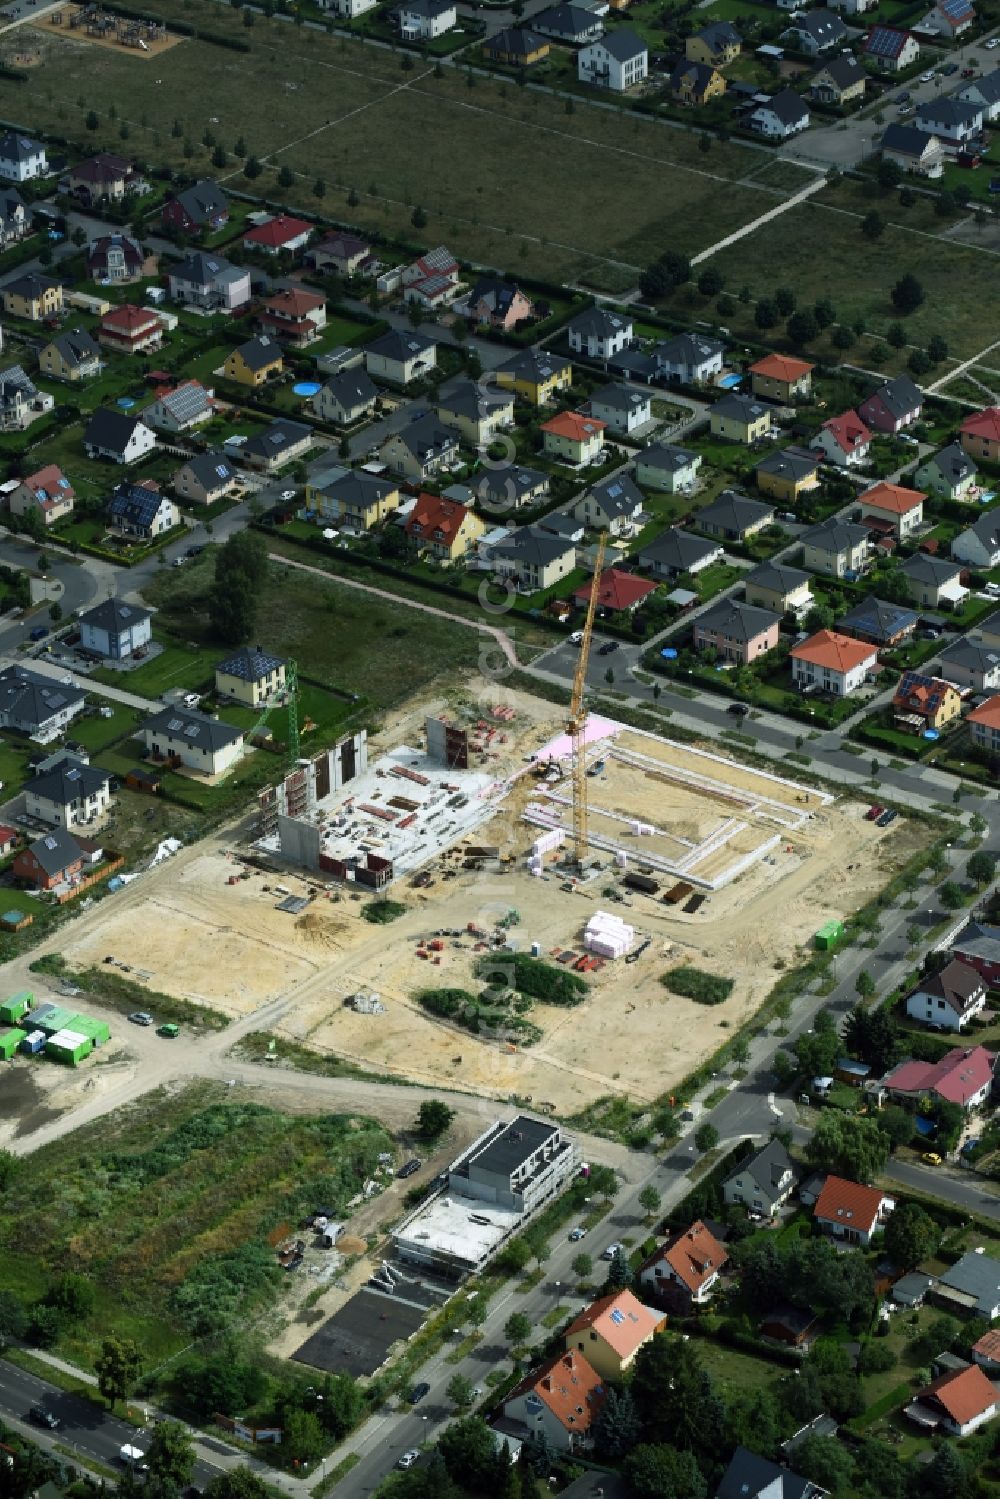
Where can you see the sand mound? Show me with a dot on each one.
(351, 1244)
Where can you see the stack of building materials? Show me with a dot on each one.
(608, 936)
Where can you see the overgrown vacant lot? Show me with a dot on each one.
(166, 1206)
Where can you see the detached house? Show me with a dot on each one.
(209, 282)
(50, 862)
(32, 297)
(685, 1270)
(21, 158)
(205, 478)
(893, 407)
(751, 1477)
(573, 438)
(717, 44)
(815, 31)
(423, 20)
(141, 511)
(103, 177)
(400, 358)
(47, 493)
(879, 622)
(738, 633)
(477, 413)
(976, 1280)
(570, 24)
(278, 445)
(182, 409)
(618, 592)
(676, 552)
(949, 18)
(341, 252)
(599, 334)
(182, 736)
(740, 419)
(535, 375)
(117, 436)
(432, 280)
(787, 474)
(14, 221)
(443, 528)
(913, 150)
(833, 663)
(836, 547)
(896, 511)
(979, 545)
(784, 114)
(346, 398)
(955, 1403)
(782, 589)
(614, 505)
(420, 450)
(921, 702)
(735, 517)
(980, 434)
(949, 999)
(511, 486)
(950, 474)
(984, 727)
(622, 408)
(71, 356)
(295, 316)
(764, 1183)
(840, 81)
(932, 581)
(130, 330)
(851, 1212)
(250, 676)
(611, 1331)
(278, 235)
(118, 259)
(963, 1075)
(844, 440)
(37, 707)
(781, 377)
(953, 121)
(200, 209)
(558, 1402)
(254, 362)
(689, 359)
(618, 60)
(352, 498)
(971, 663)
(115, 631)
(518, 46)
(500, 304)
(695, 83)
(890, 50)
(985, 92)
(532, 558)
(67, 793)
(668, 469)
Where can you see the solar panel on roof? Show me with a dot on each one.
(617, 1317)
(275, 436)
(50, 843)
(191, 730)
(175, 725)
(222, 471)
(73, 775)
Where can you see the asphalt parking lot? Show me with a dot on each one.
(356, 1340)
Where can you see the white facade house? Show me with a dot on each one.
(598, 333)
(948, 1000)
(618, 60)
(114, 630)
(783, 115)
(423, 20)
(67, 793)
(348, 10)
(979, 544)
(954, 121)
(21, 158)
(196, 740)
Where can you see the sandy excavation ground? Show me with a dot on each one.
(199, 937)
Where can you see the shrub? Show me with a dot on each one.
(381, 912)
(692, 983)
(542, 981)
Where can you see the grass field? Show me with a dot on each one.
(165, 1207)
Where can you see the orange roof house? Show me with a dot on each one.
(984, 725)
(279, 233)
(836, 663)
(443, 527)
(612, 1330)
(560, 1400)
(129, 329)
(781, 377)
(956, 1403)
(986, 1350)
(898, 508)
(980, 434)
(617, 590)
(293, 314)
(850, 1211)
(570, 435)
(685, 1269)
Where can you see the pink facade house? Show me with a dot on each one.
(737, 632)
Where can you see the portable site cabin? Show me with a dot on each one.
(97, 1031)
(12, 1009)
(56, 1018)
(68, 1047)
(829, 935)
(9, 1042)
(33, 1043)
(34, 1018)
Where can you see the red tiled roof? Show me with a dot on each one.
(572, 1390)
(617, 590)
(433, 515)
(893, 497)
(984, 424)
(572, 425)
(130, 319)
(988, 1346)
(50, 478)
(849, 1203)
(620, 1320)
(958, 1076)
(963, 1393)
(781, 367)
(294, 302)
(837, 652)
(988, 713)
(848, 430)
(277, 231)
(694, 1255)
(7, 834)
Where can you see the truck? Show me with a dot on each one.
(132, 1457)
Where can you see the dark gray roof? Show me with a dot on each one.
(877, 617)
(824, 26)
(787, 464)
(204, 269)
(787, 106)
(924, 569)
(669, 459)
(676, 549)
(17, 147)
(740, 408)
(913, 1286)
(623, 43)
(250, 664)
(28, 699)
(353, 486)
(519, 40)
(533, 364)
(114, 616)
(566, 20)
(906, 140)
(700, 74)
(620, 397)
(77, 346)
(971, 655)
(55, 851)
(532, 545)
(514, 1145)
(598, 322)
(834, 535)
(351, 388)
(211, 469)
(977, 1275)
(719, 33)
(777, 576)
(10, 203)
(426, 436)
(956, 983)
(844, 69)
(618, 495)
(734, 512)
(31, 285)
(987, 527)
(473, 401)
(67, 781)
(632, 361)
(203, 201)
(111, 429)
(948, 113)
(194, 728)
(279, 437)
(751, 1477)
(900, 396)
(953, 462)
(987, 87)
(767, 1167)
(977, 939)
(502, 487)
(400, 346)
(260, 352)
(688, 348)
(742, 622)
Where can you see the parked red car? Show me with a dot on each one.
(873, 813)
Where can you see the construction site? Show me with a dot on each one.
(93, 24)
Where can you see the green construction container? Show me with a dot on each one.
(9, 1042)
(68, 1048)
(57, 1019)
(97, 1031)
(18, 1004)
(829, 935)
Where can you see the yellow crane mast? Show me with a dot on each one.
(578, 717)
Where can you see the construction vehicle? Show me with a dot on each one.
(576, 727)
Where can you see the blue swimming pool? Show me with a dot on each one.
(730, 382)
(305, 387)
(126, 402)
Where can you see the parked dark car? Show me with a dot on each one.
(409, 1168)
(738, 710)
(42, 1417)
(418, 1392)
(887, 816)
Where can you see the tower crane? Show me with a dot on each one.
(578, 717)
